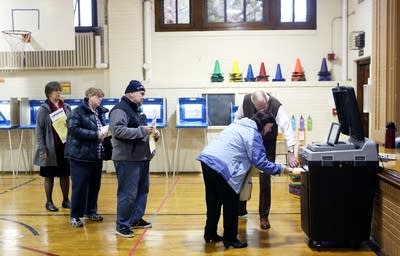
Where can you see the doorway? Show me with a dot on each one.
(363, 67)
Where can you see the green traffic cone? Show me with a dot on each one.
(217, 69)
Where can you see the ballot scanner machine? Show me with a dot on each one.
(338, 181)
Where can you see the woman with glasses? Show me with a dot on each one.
(86, 131)
(50, 146)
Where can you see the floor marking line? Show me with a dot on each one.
(166, 197)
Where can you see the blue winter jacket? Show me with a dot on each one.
(234, 150)
(83, 134)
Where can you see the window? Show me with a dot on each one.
(85, 12)
(197, 15)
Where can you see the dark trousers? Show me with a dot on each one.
(264, 203)
(218, 194)
(86, 180)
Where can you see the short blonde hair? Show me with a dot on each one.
(94, 92)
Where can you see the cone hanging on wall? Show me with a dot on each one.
(217, 76)
(262, 77)
(235, 76)
(298, 74)
(250, 76)
(278, 74)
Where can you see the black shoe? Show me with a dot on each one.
(50, 207)
(94, 217)
(141, 224)
(127, 233)
(76, 222)
(66, 204)
(212, 239)
(235, 244)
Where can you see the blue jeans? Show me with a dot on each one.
(86, 181)
(133, 188)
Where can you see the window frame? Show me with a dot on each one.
(94, 28)
(198, 14)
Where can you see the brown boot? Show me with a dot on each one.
(264, 223)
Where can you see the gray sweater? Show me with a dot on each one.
(129, 138)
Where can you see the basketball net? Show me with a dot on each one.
(18, 40)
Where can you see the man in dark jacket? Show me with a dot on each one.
(131, 156)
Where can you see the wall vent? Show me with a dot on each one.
(81, 57)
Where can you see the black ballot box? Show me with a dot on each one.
(336, 196)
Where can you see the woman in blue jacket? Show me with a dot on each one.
(225, 163)
(85, 151)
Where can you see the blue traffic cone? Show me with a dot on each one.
(250, 76)
(324, 74)
(278, 74)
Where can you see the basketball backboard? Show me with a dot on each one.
(50, 22)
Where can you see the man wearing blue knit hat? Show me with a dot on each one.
(131, 156)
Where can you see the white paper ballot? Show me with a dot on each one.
(152, 143)
(104, 129)
(59, 122)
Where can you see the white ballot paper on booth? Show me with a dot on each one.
(59, 121)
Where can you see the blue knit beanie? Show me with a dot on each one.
(134, 86)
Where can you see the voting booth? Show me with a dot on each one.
(9, 120)
(109, 103)
(191, 113)
(155, 110)
(234, 110)
(27, 114)
(73, 103)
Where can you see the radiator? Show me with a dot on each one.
(81, 57)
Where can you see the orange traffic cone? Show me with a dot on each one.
(298, 74)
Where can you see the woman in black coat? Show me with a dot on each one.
(86, 131)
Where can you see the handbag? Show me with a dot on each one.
(108, 147)
(245, 192)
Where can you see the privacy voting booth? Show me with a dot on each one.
(155, 110)
(234, 110)
(109, 103)
(9, 120)
(28, 112)
(73, 103)
(190, 113)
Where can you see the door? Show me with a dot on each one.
(362, 78)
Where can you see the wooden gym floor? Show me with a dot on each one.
(176, 208)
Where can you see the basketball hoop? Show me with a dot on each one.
(17, 39)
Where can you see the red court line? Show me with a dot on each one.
(35, 250)
(39, 251)
(166, 197)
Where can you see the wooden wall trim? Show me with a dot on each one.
(385, 66)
